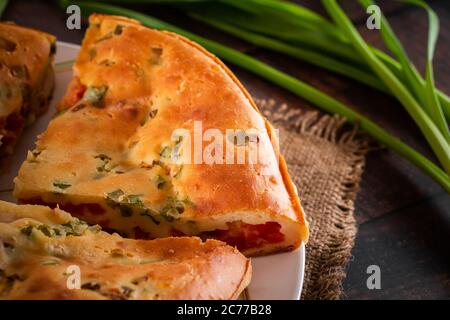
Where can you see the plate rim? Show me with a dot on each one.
(67, 44)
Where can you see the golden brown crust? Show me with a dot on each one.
(38, 263)
(26, 79)
(157, 82)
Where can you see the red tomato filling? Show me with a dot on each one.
(239, 234)
(245, 236)
(77, 210)
(104, 223)
(75, 92)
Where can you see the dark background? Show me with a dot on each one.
(403, 216)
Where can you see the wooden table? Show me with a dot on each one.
(403, 216)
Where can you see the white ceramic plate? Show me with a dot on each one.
(275, 277)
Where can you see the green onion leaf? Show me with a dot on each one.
(27, 230)
(310, 56)
(3, 4)
(425, 92)
(95, 95)
(434, 106)
(428, 128)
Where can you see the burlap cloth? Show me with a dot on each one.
(325, 159)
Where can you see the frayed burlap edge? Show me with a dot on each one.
(333, 227)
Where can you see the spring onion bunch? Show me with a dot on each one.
(378, 67)
(3, 4)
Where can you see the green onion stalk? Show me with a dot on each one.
(431, 132)
(424, 92)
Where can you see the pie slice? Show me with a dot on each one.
(48, 254)
(26, 79)
(156, 137)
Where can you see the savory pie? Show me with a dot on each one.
(26, 79)
(119, 151)
(48, 254)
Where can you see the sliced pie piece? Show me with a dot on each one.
(26, 79)
(122, 152)
(43, 251)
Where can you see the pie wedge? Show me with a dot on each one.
(26, 79)
(123, 150)
(48, 254)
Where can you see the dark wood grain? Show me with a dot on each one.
(403, 216)
(409, 247)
